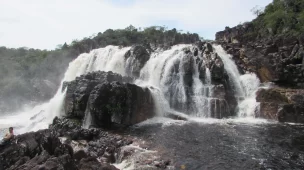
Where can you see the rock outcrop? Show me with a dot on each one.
(122, 104)
(277, 59)
(284, 105)
(136, 58)
(78, 91)
(60, 147)
(109, 99)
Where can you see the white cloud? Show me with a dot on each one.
(44, 24)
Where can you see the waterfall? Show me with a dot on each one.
(178, 80)
(245, 85)
(232, 71)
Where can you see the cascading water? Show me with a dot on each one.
(245, 85)
(179, 81)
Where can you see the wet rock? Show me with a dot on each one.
(136, 58)
(284, 105)
(219, 91)
(217, 69)
(209, 47)
(219, 108)
(202, 70)
(78, 91)
(291, 113)
(271, 95)
(122, 104)
(187, 68)
(268, 110)
(54, 148)
(80, 154)
(93, 164)
(109, 103)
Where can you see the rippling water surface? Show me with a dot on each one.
(225, 144)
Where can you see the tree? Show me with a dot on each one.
(257, 10)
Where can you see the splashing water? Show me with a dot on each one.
(245, 85)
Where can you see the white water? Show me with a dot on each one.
(163, 74)
(246, 85)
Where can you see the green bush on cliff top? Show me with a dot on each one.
(282, 17)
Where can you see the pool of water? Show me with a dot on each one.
(225, 144)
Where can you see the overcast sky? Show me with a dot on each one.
(46, 23)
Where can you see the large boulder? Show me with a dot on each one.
(284, 105)
(108, 100)
(122, 104)
(217, 69)
(78, 91)
(136, 58)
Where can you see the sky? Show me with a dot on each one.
(44, 24)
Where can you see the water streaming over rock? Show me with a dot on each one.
(245, 86)
(181, 79)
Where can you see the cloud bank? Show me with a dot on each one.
(45, 24)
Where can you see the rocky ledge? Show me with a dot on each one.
(284, 105)
(109, 99)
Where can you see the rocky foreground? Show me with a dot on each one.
(65, 145)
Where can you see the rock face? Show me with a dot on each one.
(277, 59)
(136, 58)
(54, 148)
(109, 99)
(284, 105)
(123, 104)
(78, 91)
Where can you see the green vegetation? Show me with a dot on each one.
(154, 35)
(280, 17)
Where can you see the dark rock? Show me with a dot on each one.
(209, 47)
(284, 105)
(219, 91)
(291, 113)
(136, 59)
(93, 164)
(271, 95)
(123, 104)
(202, 70)
(53, 148)
(297, 98)
(217, 70)
(268, 110)
(272, 58)
(80, 154)
(187, 66)
(78, 91)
